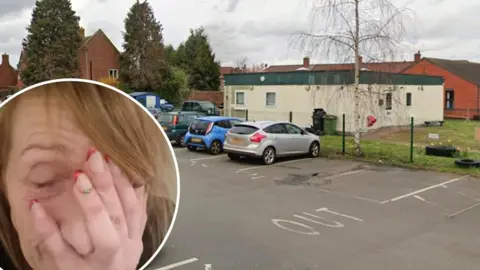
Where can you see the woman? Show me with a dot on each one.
(88, 180)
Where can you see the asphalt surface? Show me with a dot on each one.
(320, 214)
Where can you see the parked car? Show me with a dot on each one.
(205, 107)
(268, 140)
(209, 133)
(175, 124)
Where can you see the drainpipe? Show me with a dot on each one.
(87, 65)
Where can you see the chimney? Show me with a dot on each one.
(5, 59)
(417, 57)
(82, 32)
(306, 62)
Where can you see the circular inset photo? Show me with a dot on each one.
(89, 179)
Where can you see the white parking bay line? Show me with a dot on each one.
(205, 158)
(178, 264)
(278, 163)
(426, 189)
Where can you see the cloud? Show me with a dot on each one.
(259, 29)
(8, 7)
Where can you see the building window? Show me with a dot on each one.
(113, 73)
(449, 99)
(270, 99)
(409, 99)
(239, 98)
(388, 101)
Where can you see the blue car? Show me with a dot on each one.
(209, 133)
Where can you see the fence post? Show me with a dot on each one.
(290, 116)
(246, 115)
(411, 139)
(343, 134)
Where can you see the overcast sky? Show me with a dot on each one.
(259, 29)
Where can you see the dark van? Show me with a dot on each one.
(205, 107)
(175, 124)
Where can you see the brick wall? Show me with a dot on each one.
(215, 97)
(99, 56)
(466, 93)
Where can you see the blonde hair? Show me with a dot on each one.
(119, 128)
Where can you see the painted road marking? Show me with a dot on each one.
(343, 174)
(426, 189)
(274, 164)
(464, 209)
(178, 264)
(312, 218)
(206, 158)
(349, 196)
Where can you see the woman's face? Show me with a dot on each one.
(47, 148)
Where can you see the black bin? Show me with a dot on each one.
(318, 121)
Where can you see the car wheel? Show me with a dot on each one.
(314, 149)
(181, 141)
(233, 156)
(215, 147)
(269, 156)
(191, 148)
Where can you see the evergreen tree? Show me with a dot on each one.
(142, 64)
(197, 58)
(51, 45)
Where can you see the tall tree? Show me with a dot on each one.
(199, 61)
(348, 29)
(51, 46)
(142, 64)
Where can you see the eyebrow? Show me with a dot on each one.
(55, 147)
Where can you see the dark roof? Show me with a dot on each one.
(466, 70)
(136, 94)
(394, 67)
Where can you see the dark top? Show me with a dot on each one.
(5, 261)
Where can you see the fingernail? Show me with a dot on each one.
(107, 158)
(82, 182)
(32, 203)
(95, 161)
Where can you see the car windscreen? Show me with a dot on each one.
(165, 117)
(243, 129)
(199, 124)
(206, 105)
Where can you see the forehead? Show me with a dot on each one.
(35, 119)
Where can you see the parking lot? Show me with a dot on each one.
(320, 214)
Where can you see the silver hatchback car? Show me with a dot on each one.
(268, 140)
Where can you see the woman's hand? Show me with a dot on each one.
(115, 217)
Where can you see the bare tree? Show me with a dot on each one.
(371, 29)
(241, 64)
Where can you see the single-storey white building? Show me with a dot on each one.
(390, 97)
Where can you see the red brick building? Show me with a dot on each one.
(462, 84)
(98, 57)
(8, 76)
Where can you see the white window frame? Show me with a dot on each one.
(266, 100)
(244, 98)
(113, 73)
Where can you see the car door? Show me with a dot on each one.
(277, 133)
(298, 141)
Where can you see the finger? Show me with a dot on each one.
(128, 199)
(103, 182)
(104, 236)
(50, 239)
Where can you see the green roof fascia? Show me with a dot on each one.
(340, 77)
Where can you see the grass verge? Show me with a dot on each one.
(460, 133)
(381, 152)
